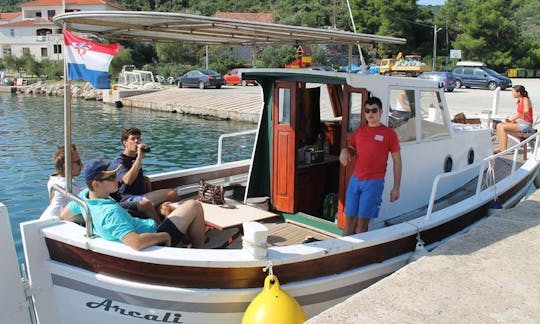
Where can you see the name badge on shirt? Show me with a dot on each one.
(379, 138)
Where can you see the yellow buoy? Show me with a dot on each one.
(273, 305)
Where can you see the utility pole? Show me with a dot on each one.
(435, 31)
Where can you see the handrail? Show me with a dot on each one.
(88, 218)
(222, 136)
(482, 164)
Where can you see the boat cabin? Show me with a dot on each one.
(309, 116)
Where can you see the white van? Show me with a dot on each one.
(471, 63)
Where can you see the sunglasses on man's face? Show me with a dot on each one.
(372, 110)
(112, 177)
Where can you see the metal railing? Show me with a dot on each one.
(482, 165)
(88, 218)
(223, 136)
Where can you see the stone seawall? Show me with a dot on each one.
(85, 91)
(229, 102)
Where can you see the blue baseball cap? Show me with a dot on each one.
(97, 169)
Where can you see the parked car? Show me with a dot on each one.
(322, 68)
(234, 77)
(480, 77)
(201, 79)
(446, 79)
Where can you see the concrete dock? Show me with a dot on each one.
(244, 103)
(491, 274)
(229, 102)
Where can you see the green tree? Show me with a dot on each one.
(177, 53)
(33, 67)
(123, 58)
(399, 18)
(53, 70)
(277, 55)
(486, 32)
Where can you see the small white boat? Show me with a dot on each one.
(450, 181)
(132, 78)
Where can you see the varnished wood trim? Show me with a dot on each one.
(190, 179)
(250, 277)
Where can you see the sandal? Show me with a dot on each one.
(496, 151)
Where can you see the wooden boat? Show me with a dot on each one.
(450, 181)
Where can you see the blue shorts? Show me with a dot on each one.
(524, 126)
(364, 197)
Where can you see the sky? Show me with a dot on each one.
(431, 2)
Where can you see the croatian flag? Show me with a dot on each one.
(89, 61)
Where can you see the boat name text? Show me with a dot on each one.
(108, 306)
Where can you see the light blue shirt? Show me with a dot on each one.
(109, 219)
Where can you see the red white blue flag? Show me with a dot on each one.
(88, 60)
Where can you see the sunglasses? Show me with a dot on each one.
(112, 177)
(77, 162)
(372, 110)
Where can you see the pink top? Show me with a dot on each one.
(520, 109)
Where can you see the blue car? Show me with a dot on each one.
(446, 79)
(480, 77)
(200, 79)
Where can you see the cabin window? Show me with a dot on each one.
(433, 121)
(402, 112)
(284, 106)
(355, 111)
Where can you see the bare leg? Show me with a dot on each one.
(147, 208)
(502, 133)
(159, 196)
(152, 200)
(362, 225)
(189, 219)
(350, 225)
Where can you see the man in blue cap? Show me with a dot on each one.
(114, 223)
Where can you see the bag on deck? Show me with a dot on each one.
(212, 194)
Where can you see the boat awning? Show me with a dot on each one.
(174, 27)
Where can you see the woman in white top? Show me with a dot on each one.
(402, 103)
(59, 201)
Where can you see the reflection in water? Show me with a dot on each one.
(32, 126)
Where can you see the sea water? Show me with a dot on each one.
(31, 127)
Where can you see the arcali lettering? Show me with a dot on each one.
(108, 306)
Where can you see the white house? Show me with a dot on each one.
(32, 30)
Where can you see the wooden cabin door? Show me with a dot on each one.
(353, 104)
(284, 109)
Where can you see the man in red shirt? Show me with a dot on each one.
(370, 143)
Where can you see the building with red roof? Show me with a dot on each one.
(33, 31)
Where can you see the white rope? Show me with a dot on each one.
(490, 179)
(269, 268)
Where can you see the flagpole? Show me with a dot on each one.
(67, 121)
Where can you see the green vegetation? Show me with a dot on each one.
(502, 33)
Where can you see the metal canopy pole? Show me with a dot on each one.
(362, 62)
(67, 122)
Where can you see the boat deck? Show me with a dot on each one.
(282, 232)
